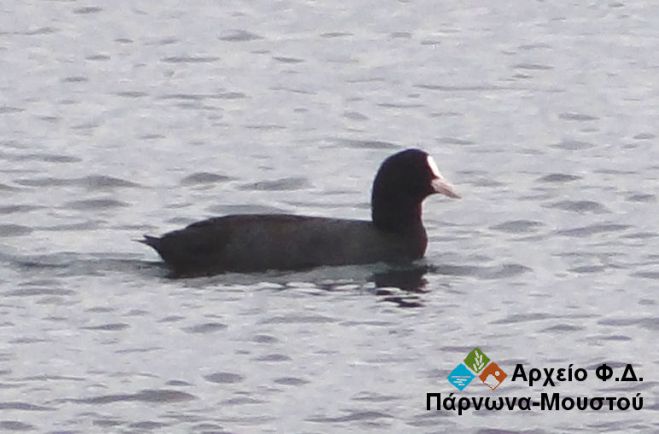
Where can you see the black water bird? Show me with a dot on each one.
(260, 242)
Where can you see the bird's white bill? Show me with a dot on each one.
(442, 186)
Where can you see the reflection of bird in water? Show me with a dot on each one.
(408, 280)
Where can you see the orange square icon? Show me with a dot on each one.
(492, 376)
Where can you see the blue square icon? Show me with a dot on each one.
(460, 377)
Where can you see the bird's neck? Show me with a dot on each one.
(396, 214)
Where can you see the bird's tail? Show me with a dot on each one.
(150, 241)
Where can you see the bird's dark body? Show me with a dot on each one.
(246, 243)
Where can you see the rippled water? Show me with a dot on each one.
(130, 118)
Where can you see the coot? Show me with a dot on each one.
(259, 242)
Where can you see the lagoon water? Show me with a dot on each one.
(129, 118)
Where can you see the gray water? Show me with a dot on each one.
(126, 118)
